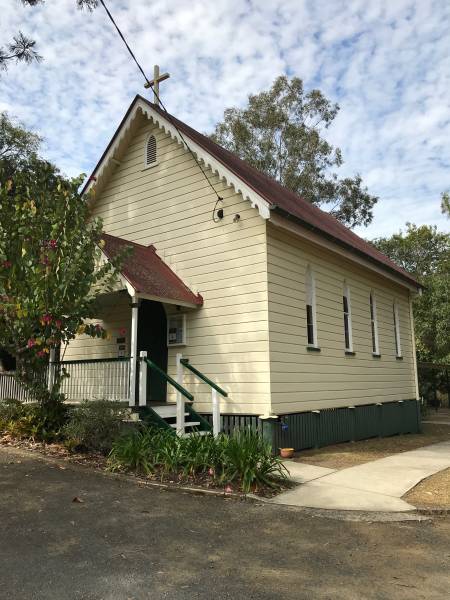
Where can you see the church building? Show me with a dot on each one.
(263, 308)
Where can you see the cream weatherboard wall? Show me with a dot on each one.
(171, 205)
(304, 380)
(115, 316)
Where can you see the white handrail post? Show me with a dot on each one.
(133, 353)
(51, 370)
(215, 412)
(143, 379)
(180, 398)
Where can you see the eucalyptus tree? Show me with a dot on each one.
(281, 132)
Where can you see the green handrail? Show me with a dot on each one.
(169, 379)
(185, 363)
(92, 360)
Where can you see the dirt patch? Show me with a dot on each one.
(433, 492)
(90, 459)
(341, 456)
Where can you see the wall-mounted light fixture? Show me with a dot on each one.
(217, 214)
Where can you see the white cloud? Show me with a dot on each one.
(385, 62)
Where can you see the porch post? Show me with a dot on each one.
(133, 352)
(51, 370)
(142, 378)
(215, 412)
(180, 398)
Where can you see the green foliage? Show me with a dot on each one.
(425, 253)
(243, 458)
(134, 450)
(248, 459)
(10, 410)
(280, 132)
(20, 49)
(445, 204)
(50, 265)
(18, 146)
(40, 422)
(94, 425)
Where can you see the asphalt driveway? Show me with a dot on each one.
(125, 541)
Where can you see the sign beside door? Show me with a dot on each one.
(176, 330)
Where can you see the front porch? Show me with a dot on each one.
(145, 317)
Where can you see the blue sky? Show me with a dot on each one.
(387, 63)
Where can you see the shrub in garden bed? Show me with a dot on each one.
(94, 425)
(243, 459)
(41, 422)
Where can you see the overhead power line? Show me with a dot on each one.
(169, 116)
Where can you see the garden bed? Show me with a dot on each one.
(93, 435)
(99, 462)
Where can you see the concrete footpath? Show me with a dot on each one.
(374, 486)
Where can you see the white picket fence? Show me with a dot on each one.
(103, 379)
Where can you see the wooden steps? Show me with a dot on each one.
(165, 416)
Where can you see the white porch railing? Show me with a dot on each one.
(11, 389)
(101, 379)
(98, 379)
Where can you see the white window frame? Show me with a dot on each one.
(184, 340)
(155, 162)
(310, 296)
(374, 324)
(346, 295)
(397, 336)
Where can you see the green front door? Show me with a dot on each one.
(152, 337)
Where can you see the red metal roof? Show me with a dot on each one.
(148, 273)
(288, 203)
(280, 199)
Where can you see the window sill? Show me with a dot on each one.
(376, 355)
(313, 348)
(350, 353)
(399, 358)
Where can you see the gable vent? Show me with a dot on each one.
(150, 154)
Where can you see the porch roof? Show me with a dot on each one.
(148, 274)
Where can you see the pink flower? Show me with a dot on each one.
(7, 264)
(41, 353)
(31, 343)
(53, 244)
(46, 319)
(228, 489)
